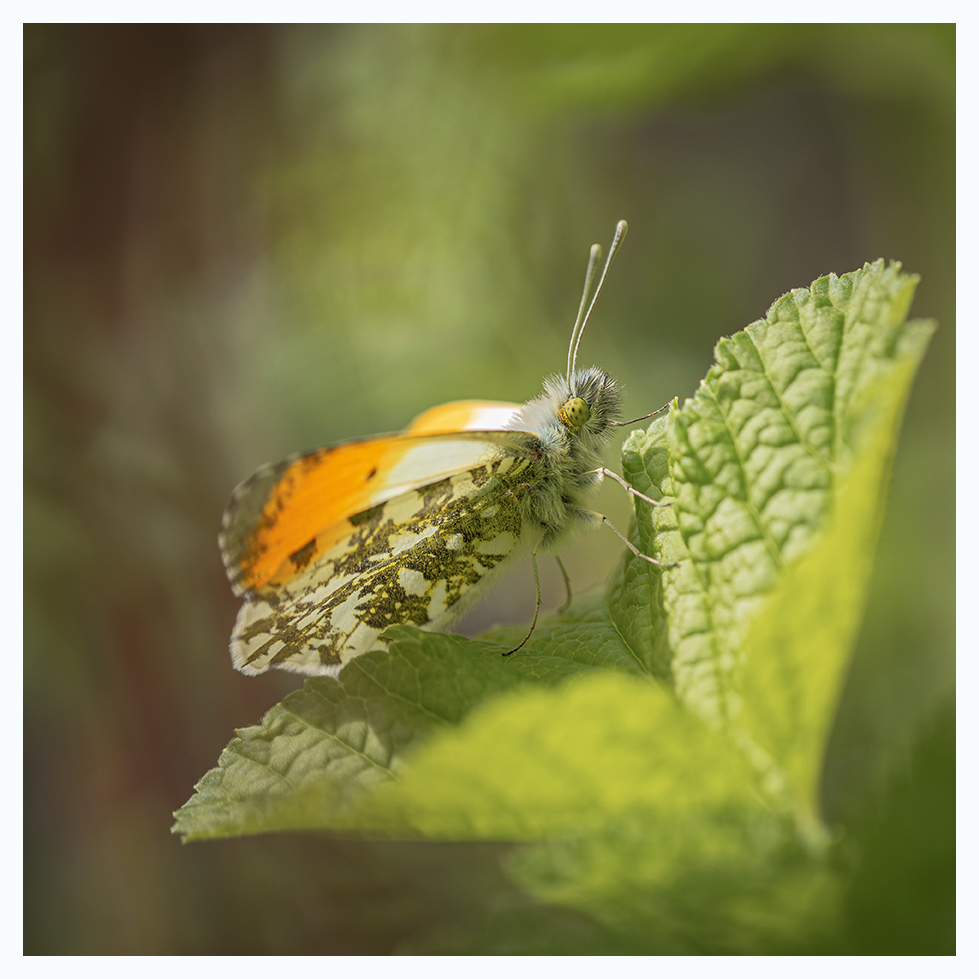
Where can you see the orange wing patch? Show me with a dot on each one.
(417, 558)
(284, 518)
(314, 492)
(464, 416)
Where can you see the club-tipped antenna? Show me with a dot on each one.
(620, 231)
(594, 257)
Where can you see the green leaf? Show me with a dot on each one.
(777, 470)
(655, 823)
(587, 636)
(318, 751)
(729, 882)
(539, 763)
(636, 589)
(796, 653)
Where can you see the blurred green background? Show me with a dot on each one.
(241, 242)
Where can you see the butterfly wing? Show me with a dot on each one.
(413, 558)
(462, 416)
(286, 515)
(331, 547)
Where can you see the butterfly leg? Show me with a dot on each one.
(602, 471)
(628, 543)
(567, 584)
(533, 624)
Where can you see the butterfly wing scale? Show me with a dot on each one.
(462, 416)
(287, 514)
(414, 558)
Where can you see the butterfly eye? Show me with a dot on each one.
(574, 413)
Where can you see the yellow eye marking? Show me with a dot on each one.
(574, 413)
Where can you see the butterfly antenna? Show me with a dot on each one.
(620, 231)
(593, 258)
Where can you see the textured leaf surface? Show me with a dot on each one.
(715, 881)
(317, 752)
(587, 636)
(778, 469)
(796, 652)
(654, 823)
(541, 763)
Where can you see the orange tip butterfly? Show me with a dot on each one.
(330, 548)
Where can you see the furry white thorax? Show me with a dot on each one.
(557, 499)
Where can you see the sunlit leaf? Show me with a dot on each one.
(777, 469)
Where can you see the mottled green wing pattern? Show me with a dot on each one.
(415, 559)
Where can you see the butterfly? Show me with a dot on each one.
(331, 547)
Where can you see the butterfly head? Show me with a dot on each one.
(586, 414)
